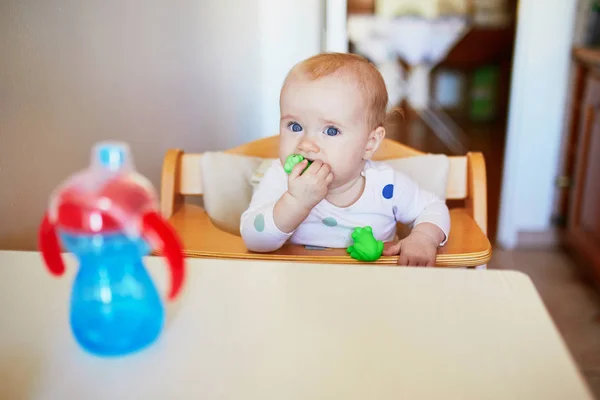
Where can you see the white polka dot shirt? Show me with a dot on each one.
(388, 197)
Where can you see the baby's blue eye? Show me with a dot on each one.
(295, 127)
(331, 131)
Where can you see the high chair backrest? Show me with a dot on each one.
(466, 176)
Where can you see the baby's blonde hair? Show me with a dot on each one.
(361, 72)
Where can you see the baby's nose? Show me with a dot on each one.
(308, 146)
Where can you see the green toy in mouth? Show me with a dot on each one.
(291, 162)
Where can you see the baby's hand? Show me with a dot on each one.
(311, 186)
(416, 250)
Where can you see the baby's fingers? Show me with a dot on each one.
(421, 261)
(324, 171)
(298, 168)
(329, 178)
(430, 262)
(315, 167)
(403, 260)
(392, 250)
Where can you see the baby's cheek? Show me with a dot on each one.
(343, 173)
(284, 152)
(287, 145)
(347, 163)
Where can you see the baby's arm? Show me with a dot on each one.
(426, 212)
(430, 220)
(273, 214)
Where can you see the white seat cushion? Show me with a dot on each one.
(226, 183)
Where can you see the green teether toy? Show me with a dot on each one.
(291, 162)
(365, 247)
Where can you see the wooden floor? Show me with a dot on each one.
(488, 138)
(573, 304)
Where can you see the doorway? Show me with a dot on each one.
(468, 90)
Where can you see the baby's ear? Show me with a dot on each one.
(375, 139)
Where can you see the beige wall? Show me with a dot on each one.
(157, 74)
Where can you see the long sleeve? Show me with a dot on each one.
(257, 226)
(414, 205)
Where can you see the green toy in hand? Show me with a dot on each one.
(365, 247)
(291, 162)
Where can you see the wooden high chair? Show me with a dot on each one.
(467, 246)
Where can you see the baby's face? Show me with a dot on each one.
(327, 120)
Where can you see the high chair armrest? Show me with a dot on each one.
(170, 197)
(476, 201)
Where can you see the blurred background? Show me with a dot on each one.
(201, 75)
(516, 80)
(206, 75)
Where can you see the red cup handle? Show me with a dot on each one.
(49, 247)
(159, 232)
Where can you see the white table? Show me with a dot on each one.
(289, 331)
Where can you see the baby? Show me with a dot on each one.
(333, 109)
